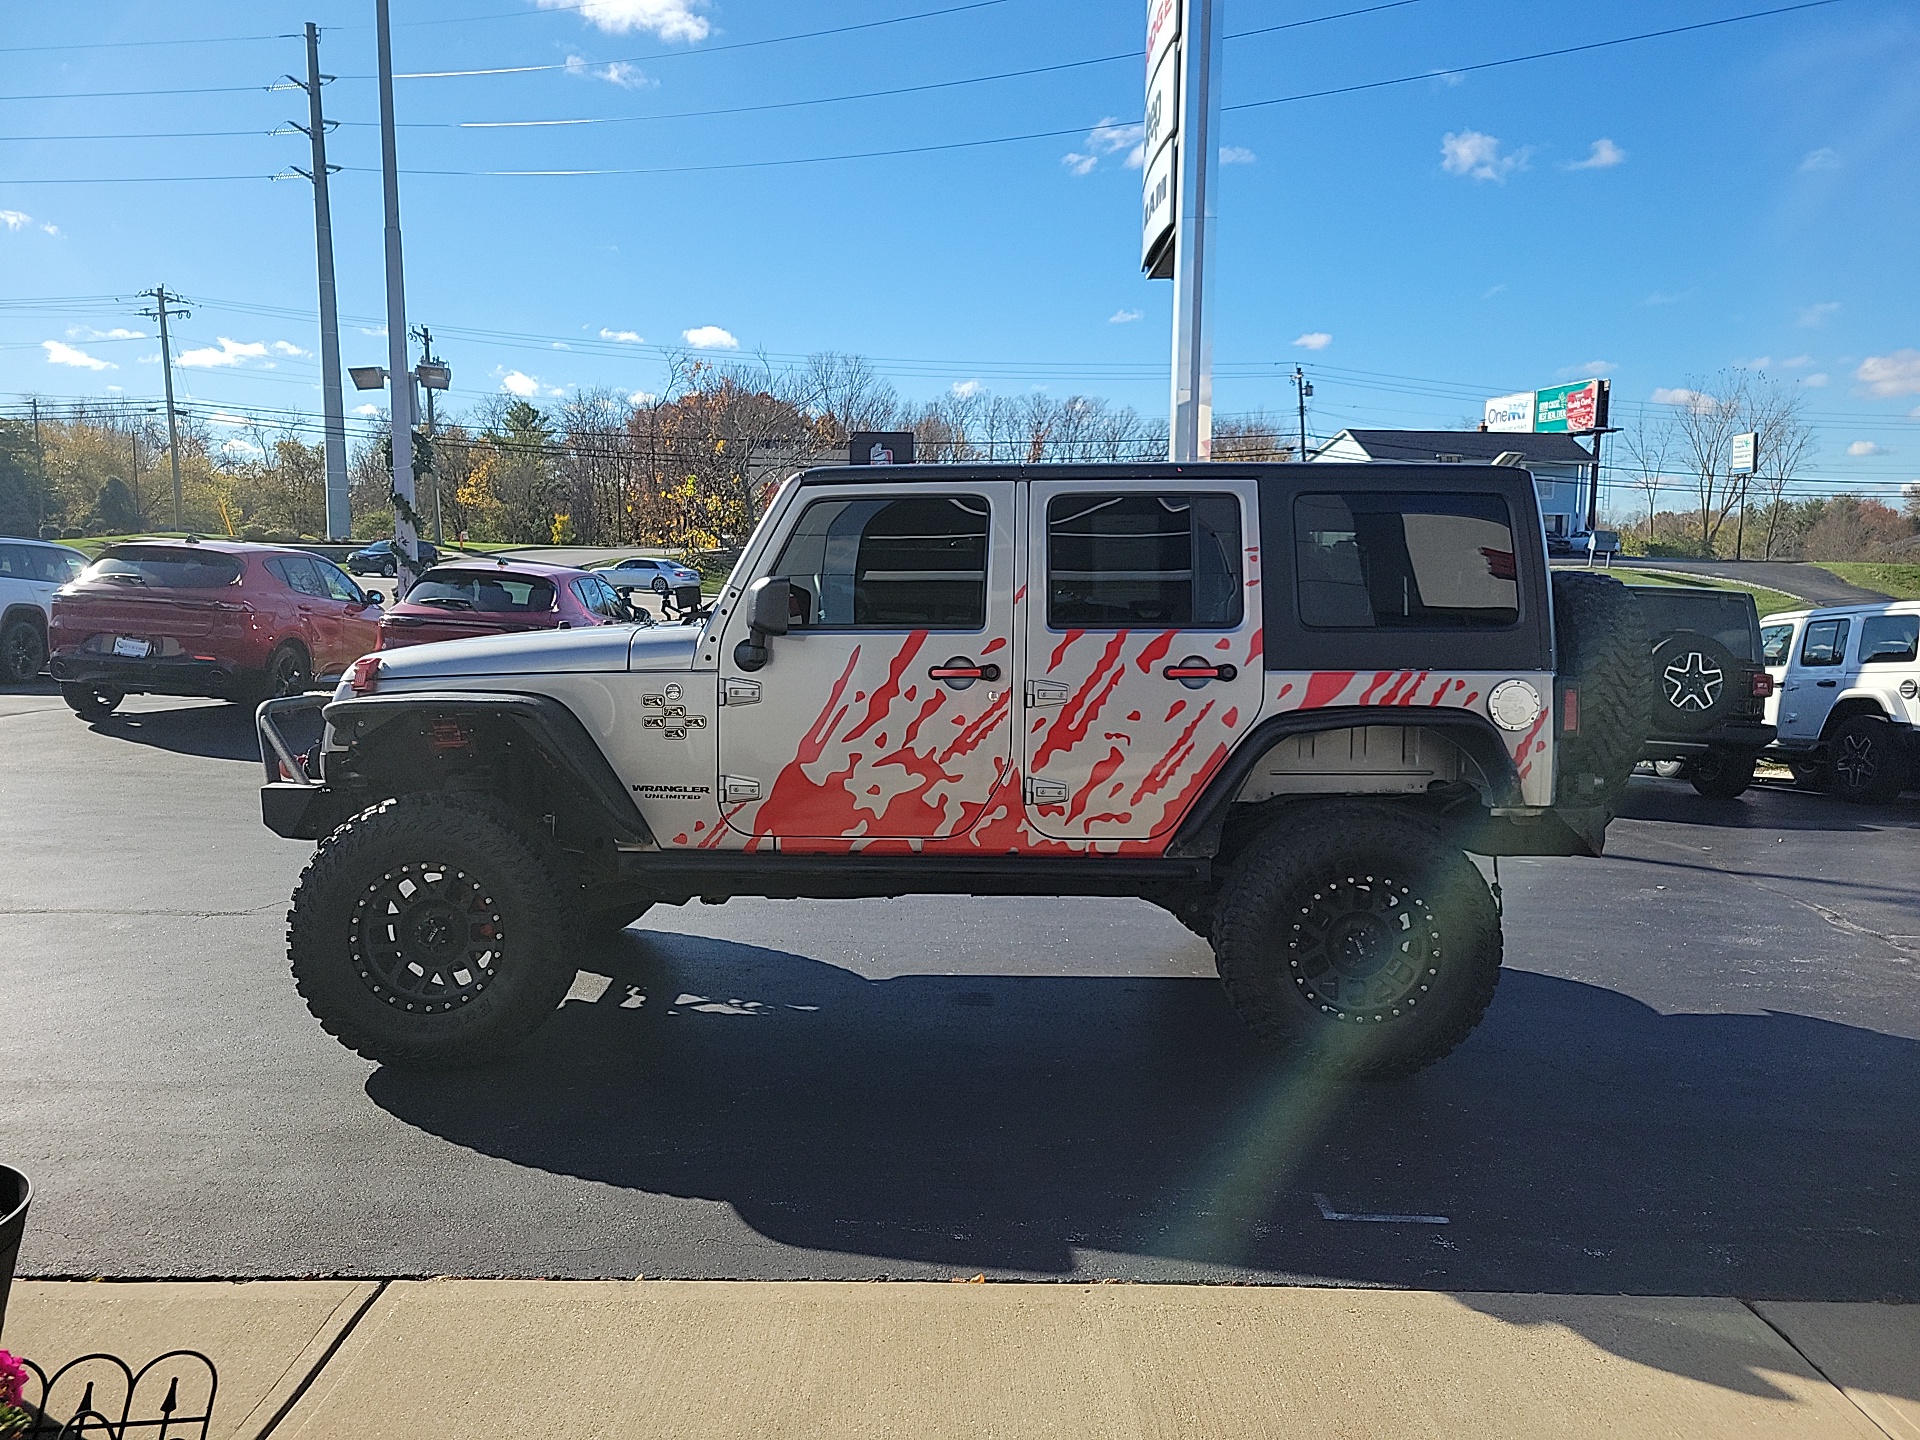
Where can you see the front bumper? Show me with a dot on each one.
(214, 678)
(293, 804)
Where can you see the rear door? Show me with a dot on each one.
(1142, 650)
(1813, 677)
(883, 713)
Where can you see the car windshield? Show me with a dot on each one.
(495, 593)
(166, 568)
(1729, 618)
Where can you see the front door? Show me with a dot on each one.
(883, 713)
(1143, 651)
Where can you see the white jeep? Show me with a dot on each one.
(1846, 701)
(30, 571)
(1281, 702)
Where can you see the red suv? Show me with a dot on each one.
(496, 597)
(205, 617)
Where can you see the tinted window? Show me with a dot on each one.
(1405, 561)
(919, 563)
(339, 585)
(166, 568)
(300, 573)
(598, 597)
(14, 564)
(1115, 561)
(464, 590)
(1727, 618)
(1775, 643)
(44, 563)
(1889, 639)
(60, 566)
(1825, 642)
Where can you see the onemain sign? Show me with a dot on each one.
(1158, 149)
(1576, 409)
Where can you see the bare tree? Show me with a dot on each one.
(1776, 414)
(1705, 420)
(1646, 445)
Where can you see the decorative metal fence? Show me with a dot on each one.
(117, 1402)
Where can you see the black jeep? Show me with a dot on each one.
(1710, 685)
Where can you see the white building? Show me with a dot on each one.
(1562, 467)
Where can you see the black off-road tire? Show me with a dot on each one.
(1723, 772)
(23, 652)
(1866, 766)
(373, 933)
(90, 702)
(1357, 941)
(1600, 641)
(1811, 775)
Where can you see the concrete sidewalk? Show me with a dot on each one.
(324, 1359)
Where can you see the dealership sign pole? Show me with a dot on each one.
(1743, 462)
(1180, 152)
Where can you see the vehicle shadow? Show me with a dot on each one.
(1579, 1143)
(1765, 807)
(213, 732)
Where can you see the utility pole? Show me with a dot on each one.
(1303, 387)
(133, 444)
(406, 534)
(339, 515)
(160, 313)
(427, 357)
(40, 459)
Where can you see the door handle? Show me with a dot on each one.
(1197, 672)
(1826, 684)
(960, 672)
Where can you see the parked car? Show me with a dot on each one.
(1848, 703)
(465, 598)
(383, 558)
(659, 575)
(30, 571)
(1710, 685)
(205, 617)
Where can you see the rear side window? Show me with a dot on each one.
(40, 562)
(1825, 642)
(1117, 561)
(1776, 643)
(166, 569)
(1405, 561)
(463, 590)
(1889, 639)
(917, 563)
(1730, 619)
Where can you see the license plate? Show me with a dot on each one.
(132, 649)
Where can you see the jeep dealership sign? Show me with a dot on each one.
(1162, 125)
(1577, 409)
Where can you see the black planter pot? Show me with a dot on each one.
(15, 1193)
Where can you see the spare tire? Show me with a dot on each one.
(1600, 642)
(1695, 683)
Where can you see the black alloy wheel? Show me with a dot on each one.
(23, 652)
(288, 673)
(426, 936)
(1866, 765)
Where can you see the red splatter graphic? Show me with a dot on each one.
(1257, 646)
(1060, 650)
(1155, 650)
(1133, 715)
(997, 643)
(1174, 710)
(1101, 773)
(1079, 713)
(1168, 763)
(1223, 644)
(1231, 718)
(1324, 687)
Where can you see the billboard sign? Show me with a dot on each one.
(1745, 449)
(1568, 409)
(1163, 25)
(1157, 144)
(1510, 412)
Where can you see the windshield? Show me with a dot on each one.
(166, 568)
(494, 593)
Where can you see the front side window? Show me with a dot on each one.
(339, 587)
(877, 563)
(1826, 642)
(1405, 561)
(1889, 639)
(1166, 561)
(300, 573)
(1776, 643)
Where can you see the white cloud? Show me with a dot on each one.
(1825, 158)
(1697, 401)
(61, 353)
(1314, 340)
(615, 72)
(517, 383)
(709, 337)
(1591, 367)
(242, 449)
(1604, 156)
(1814, 381)
(1888, 375)
(1236, 155)
(379, 330)
(1448, 78)
(1492, 290)
(15, 219)
(624, 337)
(1478, 155)
(51, 228)
(642, 397)
(231, 352)
(1814, 316)
(666, 19)
(114, 390)
(229, 420)
(367, 410)
(1125, 317)
(287, 347)
(87, 332)
(965, 388)
(1107, 139)
(1861, 448)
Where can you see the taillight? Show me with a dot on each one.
(363, 676)
(1570, 712)
(1762, 685)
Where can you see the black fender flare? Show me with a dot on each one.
(546, 723)
(1199, 833)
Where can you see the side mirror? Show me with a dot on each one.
(768, 602)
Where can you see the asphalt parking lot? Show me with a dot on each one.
(1700, 1074)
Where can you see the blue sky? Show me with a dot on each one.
(1744, 194)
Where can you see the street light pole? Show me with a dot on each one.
(406, 533)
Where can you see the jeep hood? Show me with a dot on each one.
(547, 652)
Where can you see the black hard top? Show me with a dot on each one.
(1546, 448)
(1385, 474)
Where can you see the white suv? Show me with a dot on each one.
(1846, 698)
(30, 571)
